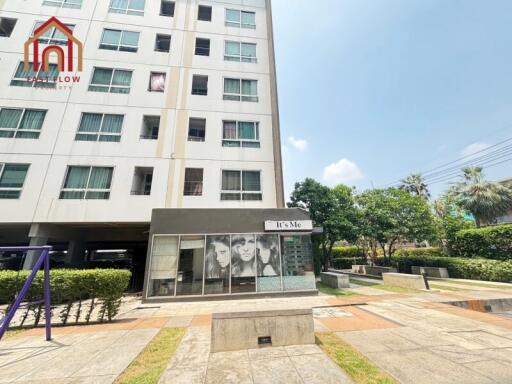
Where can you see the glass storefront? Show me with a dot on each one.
(230, 264)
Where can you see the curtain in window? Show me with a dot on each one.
(53, 71)
(91, 122)
(130, 38)
(102, 76)
(249, 87)
(47, 33)
(9, 118)
(157, 82)
(61, 36)
(122, 4)
(251, 181)
(194, 181)
(231, 181)
(232, 86)
(137, 4)
(230, 130)
(232, 16)
(232, 48)
(22, 74)
(13, 176)
(122, 78)
(100, 178)
(248, 18)
(246, 131)
(248, 50)
(77, 178)
(111, 37)
(32, 120)
(112, 124)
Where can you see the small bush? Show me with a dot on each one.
(490, 242)
(462, 268)
(425, 252)
(346, 252)
(70, 287)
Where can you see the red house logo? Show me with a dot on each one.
(65, 61)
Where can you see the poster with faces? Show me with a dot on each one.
(243, 249)
(267, 256)
(218, 257)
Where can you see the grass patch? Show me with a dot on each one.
(357, 366)
(13, 333)
(383, 287)
(150, 364)
(445, 287)
(364, 283)
(483, 285)
(333, 291)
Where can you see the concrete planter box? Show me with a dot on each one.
(335, 280)
(247, 330)
(431, 271)
(372, 270)
(403, 280)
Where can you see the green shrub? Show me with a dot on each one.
(425, 252)
(346, 252)
(69, 288)
(462, 268)
(490, 242)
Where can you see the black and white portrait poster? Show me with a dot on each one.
(218, 257)
(267, 255)
(243, 248)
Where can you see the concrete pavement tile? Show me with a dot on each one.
(266, 353)
(421, 337)
(109, 379)
(275, 371)
(229, 370)
(179, 322)
(137, 337)
(487, 339)
(231, 355)
(498, 371)
(319, 369)
(184, 376)
(459, 354)
(298, 350)
(376, 340)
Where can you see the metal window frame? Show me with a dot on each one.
(51, 40)
(110, 86)
(118, 46)
(62, 4)
(100, 130)
(12, 189)
(239, 24)
(32, 83)
(241, 95)
(241, 191)
(240, 58)
(238, 139)
(127, 10)
(18, 129)
(87, 189)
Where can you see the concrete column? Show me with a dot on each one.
(76, 253)
(32, 256)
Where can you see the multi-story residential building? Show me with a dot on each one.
(175, 108)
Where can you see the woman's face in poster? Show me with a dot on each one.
(245, 247)
(264, 253)
(222, 254)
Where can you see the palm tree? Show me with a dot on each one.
(416, 185)
(486, 200)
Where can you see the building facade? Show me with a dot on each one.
(163, 105)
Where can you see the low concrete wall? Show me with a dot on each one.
(372, 270)
(430, 271)
(404, 281)
(335, 280)
(236, 331)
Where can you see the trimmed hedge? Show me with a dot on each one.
(490, 242)
(346, 252)
(69, 287)
(425, 252)
(462, 268)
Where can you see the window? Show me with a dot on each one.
(128, 7)
(117, 40)
(203, 47)
(142, 180)
(99, 127)
(240, 134)
(196, 129)
(21, 123)
(200, 85)
(241, 185)
(89, 183)
(111, 80)
(157, 82)
(12, 178)
(52, 35)
(77, 4)
(204, 13)
(163, 43)
(240, 19)
(150, 127)
(7, 26)
(193, 182)
(39, 79)
(240, 90)
(241, 52)
(167, 8)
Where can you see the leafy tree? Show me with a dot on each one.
(486, 200)
(332, 209)
(389, 216)
(416, 185)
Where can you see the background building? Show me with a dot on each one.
(176, 107)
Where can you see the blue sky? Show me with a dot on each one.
(372, 90)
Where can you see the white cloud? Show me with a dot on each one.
(344, 171)
(471, 149)
(299, 144)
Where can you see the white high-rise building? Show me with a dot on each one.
(176, 107)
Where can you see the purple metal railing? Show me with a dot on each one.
(43, 260)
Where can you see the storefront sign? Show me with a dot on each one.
(285, 226)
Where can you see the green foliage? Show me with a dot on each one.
(424, 252)
(392, 215)
(70, 288)
(415, 184)
(490, 242)
(462, 268)
(347, 252)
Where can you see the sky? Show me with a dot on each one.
(371, 91)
